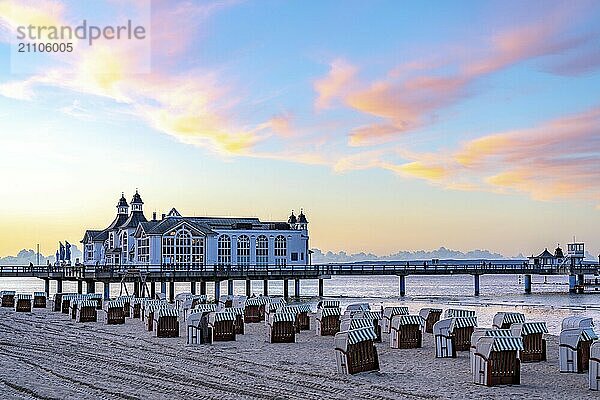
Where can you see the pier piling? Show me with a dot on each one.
(59, 287)
(320, 287)
(106, 290)
(402, 284)
(91, 287)
(248, 287)
(230, 287)
(47, 286)
(527, 284)
(171, 291)
(572, 284)
(152, 289)
(203, 287)
(193, 287)
(217, 291)
(163, 287)
(286, 292)
(580, 283)
(476, 282)
(266, 287)
(297, 288)
(136, 289)
(79, 287)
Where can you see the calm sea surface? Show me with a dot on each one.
(550, 300)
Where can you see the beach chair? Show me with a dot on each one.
(282, 328)
(8, 298)
(115, 312)
(223, 325)
(198, 329)
(57, 302)
(87, 311)
(534, 344)
(328, 321)
(126, 305)
(483, 332)
(22, 302)
(145, 303)
(239, 320)
(355, 351)
(451, 335)
(406, 332)
(39, 300)
(166, 323)
(66, 302)
(430, 317)
(503, 320)
(496, 361)
(575, 339)
(135, 308)
(328, 304)
(594, 374)
(374, 317)
(73, 305)
(458, 312)
(254, 311)
(388, 314)
(149, 311)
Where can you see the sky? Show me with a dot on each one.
(394, 125)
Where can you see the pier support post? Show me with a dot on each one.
(217, 291)
(580, 283)
(527, 284)
(266, 287)
(230, 287)
(476, 281)
(203, 287)
(107, 290)
(59, 288)
(402, 285)
(163, 287)
(572, 283)
(79, 287)
(286, 290)
(297, 288)
(248, 287)
(320, 287)
(171, 291)
(193, 287)
(136, 289)
(153, 290)
(47, 287)
(91, 287)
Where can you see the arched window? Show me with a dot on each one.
(181, 248)
(280, 250)
(262, 250)
(124, 242)
(224, 250)
(243, 250)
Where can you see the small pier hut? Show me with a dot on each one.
(388, 314)
(503, 320)
(115, 312)
(355, 351)
(328, 304)
(223, 325)
(39, 300)
(496, 361)
(574, 341)
(22, 302)
(328, 321)
(166, 323)
(452, 335)
(458, 312)
(534, 344)
(406, 332)
(126, 304)
(8, 298)
(282, 327)
(374, 317)
(254, 310)
(198, 330)
(303, 316)
(430, 316)
(57, 307)
(595, 366)
(87, 311)
(135, 307)
(239, 320)
(149, 311)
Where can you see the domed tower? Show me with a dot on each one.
(292, 220)
(137, 203)
(558, 253)
(122, 206)
(302, 222)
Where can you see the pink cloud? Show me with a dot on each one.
(335, 84)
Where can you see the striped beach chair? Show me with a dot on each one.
(496, 360)
(406, 332)
(223, 325)
(355, 351)
(126, 304)
(304, 311)
(87, 311)
(503, 320)
(452, 335)
(328, 321)
(198, 330)
(375, 318)
(534, 344)
(239, 320)
(149, 311)
(282, 328)
(22, 302)
(482, 332)
(39, 300)
(458, 312)
(388, 314)
(115, 312)
(254, 310)
(328, 304)
(575, 340)
(166, 323)
(7, 298)
(430, 316)
(594, 374)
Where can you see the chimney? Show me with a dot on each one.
(154, 216)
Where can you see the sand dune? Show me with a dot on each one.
(46, 355)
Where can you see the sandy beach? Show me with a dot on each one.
(46, 355)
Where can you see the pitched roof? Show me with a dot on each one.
(167, 224)
(546, 254)
(134, 220)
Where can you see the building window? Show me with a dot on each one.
(180, 248)
(183, 250)
(111, 240)
(124, 241)
(280, 250)
(143, 249)
(294, 256)
(89, 251)
(243, 250)
(262, 250)
(224, 250)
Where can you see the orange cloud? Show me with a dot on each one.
(335, 84)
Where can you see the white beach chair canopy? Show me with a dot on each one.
(327, 312)
(402, 320)
(530, 328)
(389, 312)
(220, 316)
(577, 322)
(455, 312)
(462, 322)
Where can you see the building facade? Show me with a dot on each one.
(176, 241)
